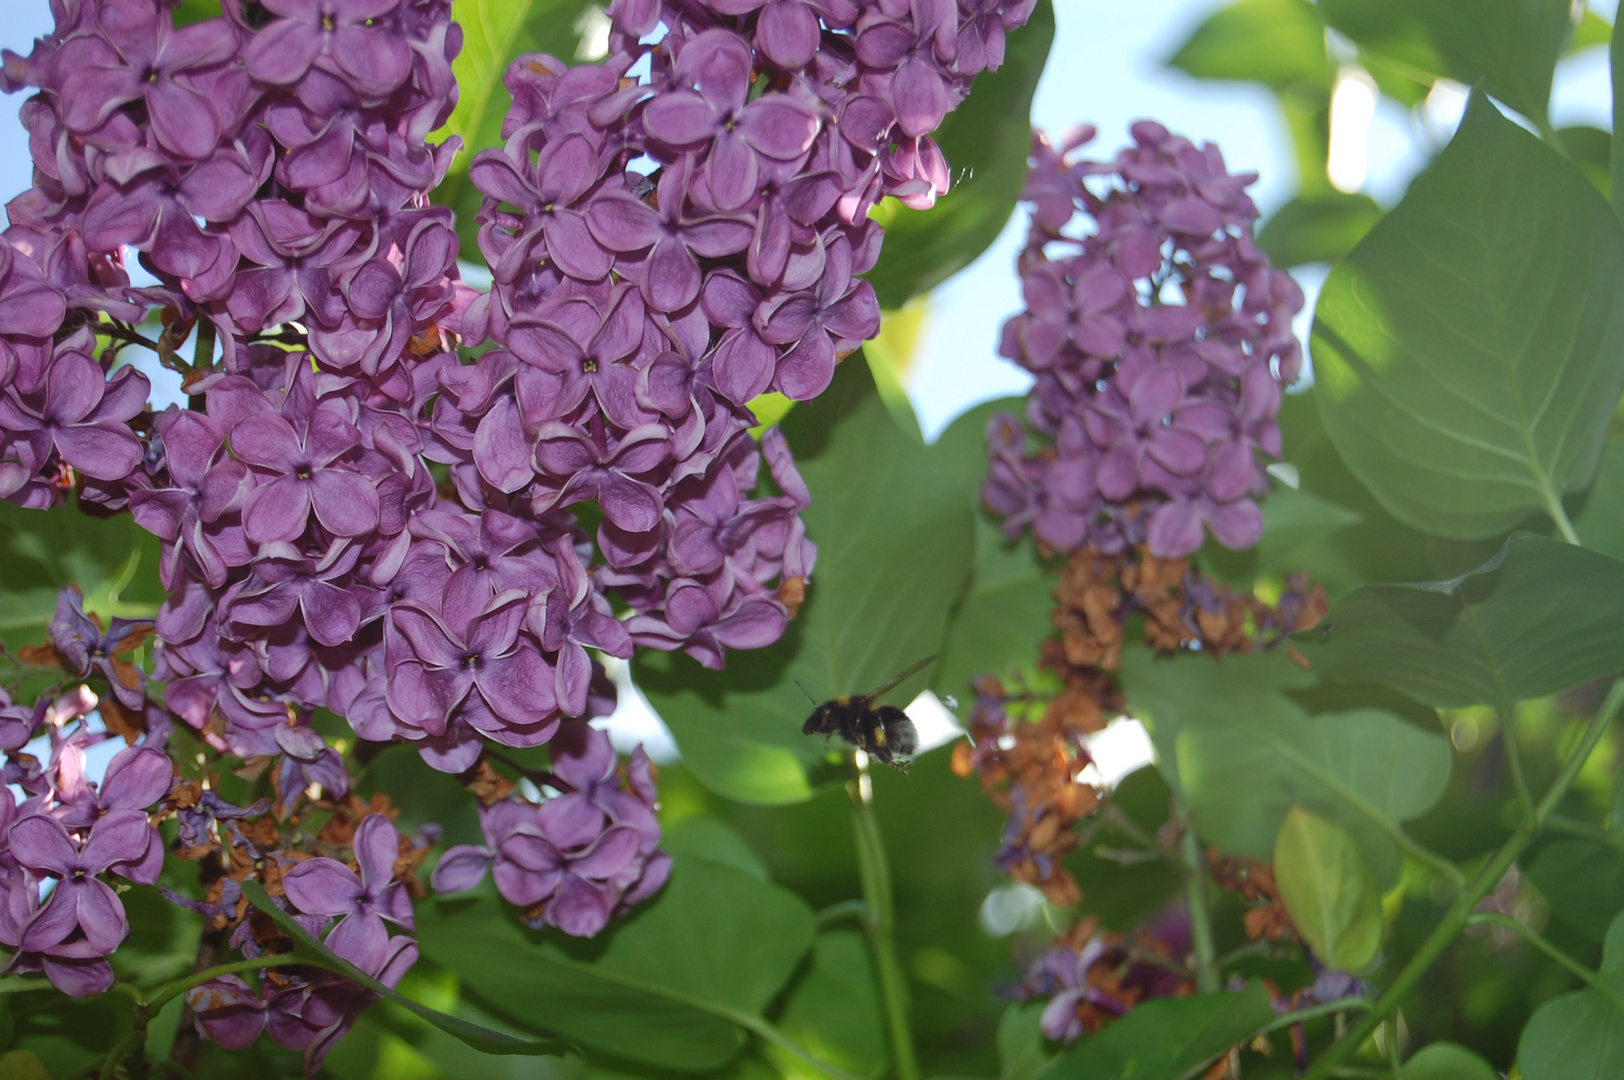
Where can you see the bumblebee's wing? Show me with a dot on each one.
(903, 675)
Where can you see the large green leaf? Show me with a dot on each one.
(1319, 227)
(1328, 889)
(1446, 1061)
(1004, 613)
(1583, 881)
(986, 141)
(1580, 1034)
(833, 1009)
(665, 986)
(893, 522)
(494, 34)
(1510, 47)
(111, 559)
(1469, 352)
(1539, 617)
(1214, 721)
(1279, 43)
(1167, 1038)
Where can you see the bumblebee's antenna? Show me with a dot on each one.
(807, 692)
(903, 675)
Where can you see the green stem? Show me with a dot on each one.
(1553, 502)
(203, 348)
(1584, 974)
(1508, 733)
(837, 913)
(880, 922)
(1195, 898)
(1558, 823)
(1317, 1011)
(198, 978)
(1460, 912)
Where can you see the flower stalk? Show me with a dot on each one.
(879, 922)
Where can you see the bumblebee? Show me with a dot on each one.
(884, 732)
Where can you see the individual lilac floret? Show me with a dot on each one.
(362, 903)
(1160, 337)
(86, 649)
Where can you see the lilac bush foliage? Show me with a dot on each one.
(1160, 337)
(357, 517)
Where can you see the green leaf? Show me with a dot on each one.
(833, 1009)
(1615, 60)
(22, 1065)
(1279, 43)
(494, 34)
(1509, 46)
(1446, 1061)
(1583, 881)
(1167, 1038)
(1004, 613)
(1216, 721)
(482, 1039)
(1598, 514)
(1023, 1053)
(1580, 1034)
(1539, 617)
(986, 141)
(711, 838)
(1591, 149)
(1592, 30)
(111, 559)
(895, 532)
(686, 972)
(1328, 889)
(1319, 227)
(1469, 352)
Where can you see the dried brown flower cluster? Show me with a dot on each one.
(1029, 746)
(1266, 918)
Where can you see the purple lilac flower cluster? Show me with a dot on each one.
(664, 249)
(1160, 337)
(75, 834)
(306, 1008)
(579, 858)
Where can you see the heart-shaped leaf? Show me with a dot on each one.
(1470, 351)
(1446, 1061)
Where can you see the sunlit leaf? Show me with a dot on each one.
(1469, 352)
(1510, 47)
(1328, 890)
(494, 34)
(1279, 43)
